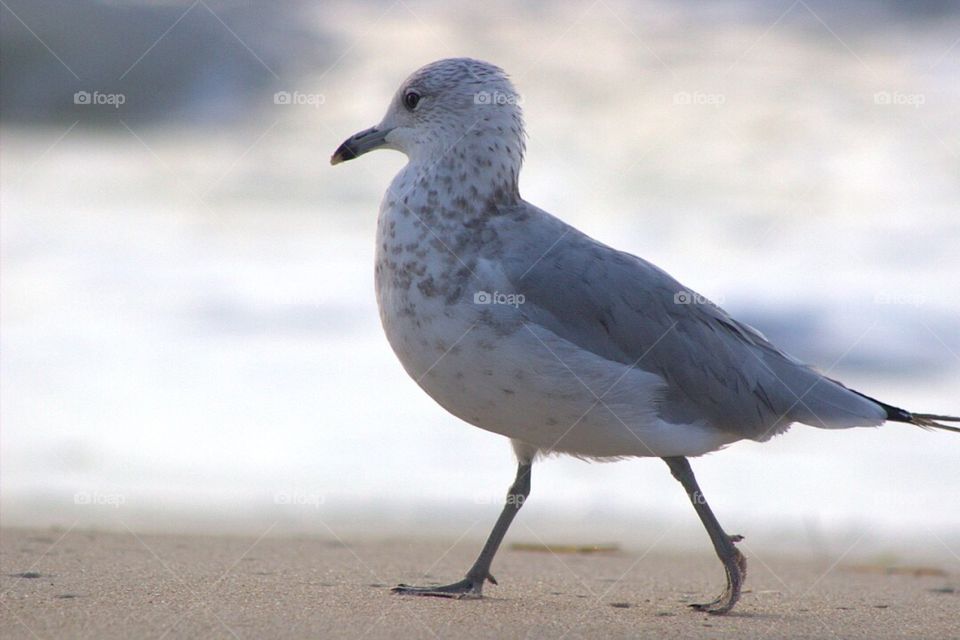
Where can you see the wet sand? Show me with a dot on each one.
(59, 583)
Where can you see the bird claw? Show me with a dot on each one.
(719, 605)
(735, 567)
(466, 589)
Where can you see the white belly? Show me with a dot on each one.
(531, 385)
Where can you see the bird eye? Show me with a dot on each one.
(410, 100)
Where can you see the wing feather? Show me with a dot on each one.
(619, 306)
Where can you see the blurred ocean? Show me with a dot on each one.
(189, 332)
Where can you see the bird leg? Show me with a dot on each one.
(734, 563)
(472, 585)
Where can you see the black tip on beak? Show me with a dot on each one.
(343, 153)
(360, 143)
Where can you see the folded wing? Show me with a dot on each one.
(719, 371)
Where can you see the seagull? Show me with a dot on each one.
(520, 324)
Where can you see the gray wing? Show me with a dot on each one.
(629, 311)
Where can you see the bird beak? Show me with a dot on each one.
(360, 143)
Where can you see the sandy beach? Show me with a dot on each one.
(87, 584)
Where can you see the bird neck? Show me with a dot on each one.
(477, 172)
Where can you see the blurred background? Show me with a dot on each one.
(190, 340)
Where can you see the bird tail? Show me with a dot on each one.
(933, 421)
(922, 420)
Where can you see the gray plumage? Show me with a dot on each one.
(627, 310)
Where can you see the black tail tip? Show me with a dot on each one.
(933, 421)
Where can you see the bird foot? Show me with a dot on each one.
(466, 589)
(719, 605)
(735, 566)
